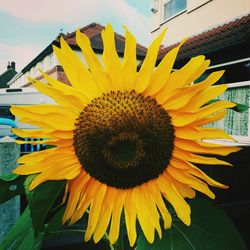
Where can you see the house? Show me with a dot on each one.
(6, 76)
(191, 17)
(227, 46)
(47, 61)
(220, 30)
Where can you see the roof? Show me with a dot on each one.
(234, 34)
(93, 31)
(6, 77)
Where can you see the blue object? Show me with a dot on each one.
(25, 148)
(9, 122)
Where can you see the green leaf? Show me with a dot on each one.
(210, 228)
(21, 235)
(240, 108)
(42, 200)
(69, 239)
(37, 243)
(9, 177)
(56, 221)
(27, 183)
(10, 186)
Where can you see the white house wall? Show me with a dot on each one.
(46, 64)
(200, 15)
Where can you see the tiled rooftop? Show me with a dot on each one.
(233, 33)
(93, 31)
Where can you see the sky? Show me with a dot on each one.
(29, 26)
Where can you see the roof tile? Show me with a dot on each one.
(226, 35)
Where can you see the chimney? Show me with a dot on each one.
(13, 65)
(8, 66)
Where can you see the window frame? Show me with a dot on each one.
(173, 16)
(241, 140)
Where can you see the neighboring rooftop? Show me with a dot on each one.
(231, 39)
(93, 31)
(7, 75)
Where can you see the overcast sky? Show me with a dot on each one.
(28, 26)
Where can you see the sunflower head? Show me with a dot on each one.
(125, 140)
(124, 134)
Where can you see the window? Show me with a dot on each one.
(173, 7)
(237, 76)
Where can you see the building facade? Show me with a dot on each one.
(48, 62)
(220, 30)
(185, 18)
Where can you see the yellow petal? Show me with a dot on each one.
(106, 210)
(129, 63)
(78, 75)
(95, 209)
(194, 133)
(144, 75)
(90, 56)
(198, 72)
(154, 192)
(103, 80)
(65, 99)
(185, 95)
(181, 154)
(191, 181)
(200, 174)
(183, 119)
(144, 214)
(66, 90)
(178, 79)
(203, 97)
(111, 58)
(212, 118)
(78, 186)
(185, 190)
(116, 215)
(130, 216)
(152, 204)
(173, 196)
(204, 148)
(86, 198)
(162, 72)
(43, 133)
(54, 119)
(55, 160)
(66, 173)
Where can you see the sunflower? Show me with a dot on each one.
(126, 141)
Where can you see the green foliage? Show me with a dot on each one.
(11, 185)
(41, 201)
(21, 235)
(27, 183)
(240, 108)
(210, 228)
(56, 221)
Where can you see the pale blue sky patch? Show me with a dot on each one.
(27, 27)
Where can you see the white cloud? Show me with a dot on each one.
(21, 54)
(79, 13)
(69, 15)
